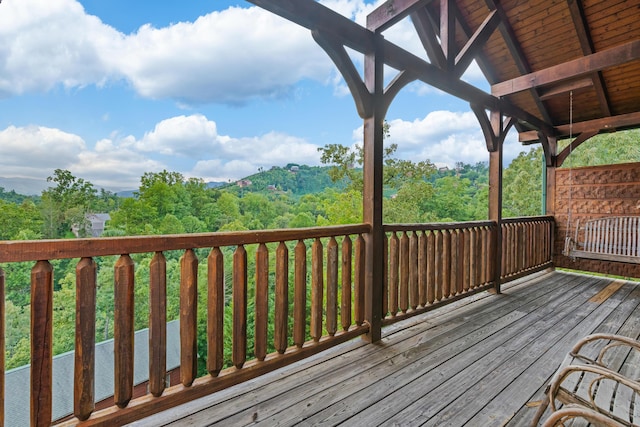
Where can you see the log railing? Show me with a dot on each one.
(429, 265)
(307, 284)
(326, 263)
(526, 246)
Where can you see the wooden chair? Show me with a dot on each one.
(599, 375)
(561, 417)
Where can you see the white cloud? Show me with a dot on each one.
(31, 151)
(182, 135)
(119, 162)
(444, 138)
(44, 44)
(229, 56)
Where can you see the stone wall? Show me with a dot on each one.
(595, 192)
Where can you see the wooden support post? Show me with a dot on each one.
(495, 202)
(41, 344)
(551, 179)
(372, 192)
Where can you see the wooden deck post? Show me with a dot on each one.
(495, 201)
(551, 177)
(372, 192)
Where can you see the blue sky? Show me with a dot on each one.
(212, 89)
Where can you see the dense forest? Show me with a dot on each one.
(282, 197)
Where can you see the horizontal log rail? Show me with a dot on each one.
(320, 268)
(526, 246)
(430, 265)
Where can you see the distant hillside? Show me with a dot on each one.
(26, 186)
(296, 179)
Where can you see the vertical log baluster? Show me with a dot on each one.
(466, 260)
(215, 312)
(332, 287)
(394, 278)
(41, 343)
(188, 317)
(385, 276)
(413, 270)
(438, 265)
(479, 255)
(493, 241)
(487, 256)
(157, 324)
(431, 268)
(460, 265)
(317, 290)
(446, 264)
(123, 331)
(261, 302)
(453, 288)
(345, 303)
(239, 350)
(282, 298)
(84, 366)
(300, 295)
(404, 272)
(422, 269)
(359, 278)
(2, 344)
(474, 250)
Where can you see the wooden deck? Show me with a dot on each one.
(483, 361)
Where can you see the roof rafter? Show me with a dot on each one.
(516, 52)
(586, 43)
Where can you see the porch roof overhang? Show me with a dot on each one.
(534, 54)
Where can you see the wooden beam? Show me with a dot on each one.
(604, 124)
(314, 16)
(566, 151)
(391, 12)
(566, 87)
(343, 62)
(427, 33)
(475, 43)
(448, 32)
(572, 69)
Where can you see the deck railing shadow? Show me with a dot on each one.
(291, 293)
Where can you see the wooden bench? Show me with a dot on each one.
(608, 239)
(598, 376)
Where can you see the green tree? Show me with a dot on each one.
(522, 185)
(66, 204)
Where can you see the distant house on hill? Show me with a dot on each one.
(17, 380)
(243, 183)
(94, 226)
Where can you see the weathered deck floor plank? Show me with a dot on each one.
(476, 362)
